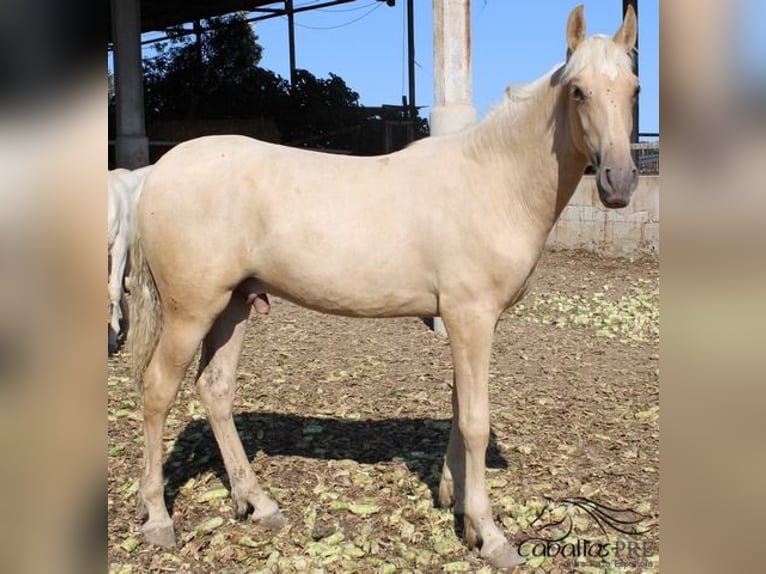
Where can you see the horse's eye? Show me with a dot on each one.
(636, 92)
(577, 93)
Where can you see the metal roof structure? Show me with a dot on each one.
(158, 15)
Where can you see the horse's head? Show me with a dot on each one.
(601, 89)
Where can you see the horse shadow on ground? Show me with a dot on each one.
(418, 442)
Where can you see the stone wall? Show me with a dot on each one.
(632, 231)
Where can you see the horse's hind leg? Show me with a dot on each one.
(216, 384)
(175, 349)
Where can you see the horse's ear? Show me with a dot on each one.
(626, 35)
(575, 29)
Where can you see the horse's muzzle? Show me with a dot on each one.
(616, 184)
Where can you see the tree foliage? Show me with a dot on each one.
(215, 77)
(215, 74)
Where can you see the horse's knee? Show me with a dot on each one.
(157, 393)
(475, 432)
(156, 403)
(216, 389)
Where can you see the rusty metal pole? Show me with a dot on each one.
(453, 108)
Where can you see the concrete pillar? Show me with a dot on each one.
(131, 145)
(453, 109)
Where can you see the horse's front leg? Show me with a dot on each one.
(470, 330)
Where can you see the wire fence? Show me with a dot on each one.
(647, 156)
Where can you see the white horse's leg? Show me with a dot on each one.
(175, 349)
(216, 384)
(470, 330)
(119, 260)
(111, 340)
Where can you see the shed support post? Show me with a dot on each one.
(453, 108)
(131, 143)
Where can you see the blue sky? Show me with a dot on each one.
(514, 41)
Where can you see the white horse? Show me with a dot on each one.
(124, 189)
(450, 226)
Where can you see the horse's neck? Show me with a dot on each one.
(527, 144)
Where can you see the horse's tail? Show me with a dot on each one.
(144, 310)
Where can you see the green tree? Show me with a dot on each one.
(214, 74)
(322, 113)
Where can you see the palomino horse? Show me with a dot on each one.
(450, 226)
(123, 189)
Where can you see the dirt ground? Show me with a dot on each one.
(346, 422)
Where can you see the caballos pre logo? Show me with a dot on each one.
(554, 528)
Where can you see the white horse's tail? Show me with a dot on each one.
(145, 311)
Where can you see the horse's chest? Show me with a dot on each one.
(525, 285)
(518, 283)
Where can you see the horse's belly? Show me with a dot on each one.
(370, 303)
(351, 292)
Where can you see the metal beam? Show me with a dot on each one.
(413, 110)
(289, 10)
(266, 14)
(273, 13)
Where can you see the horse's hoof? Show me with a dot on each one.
(160, 534)
(273, 521)
(504, 557)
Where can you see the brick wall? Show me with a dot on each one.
(632, 231)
